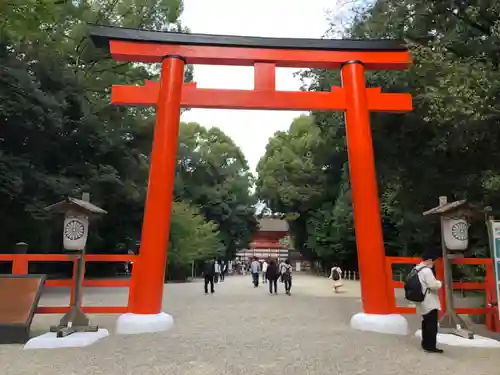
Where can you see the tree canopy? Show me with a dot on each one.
(60, 136)
(446, 146)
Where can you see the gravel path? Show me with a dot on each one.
(242, 330)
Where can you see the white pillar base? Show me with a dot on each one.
(50, 340)
(393, 324)
(454, 340)
(131, 324)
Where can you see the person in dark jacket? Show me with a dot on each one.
(272, 275)
(286, 275)
(209, 275)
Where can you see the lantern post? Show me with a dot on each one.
(454, 220)
(77, 213)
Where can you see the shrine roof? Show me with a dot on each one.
(69, 202)
(273, 225)
(102, 35)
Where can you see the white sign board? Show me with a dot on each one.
(495, 232)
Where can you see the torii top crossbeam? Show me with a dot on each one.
(151, 46)
(265, 54)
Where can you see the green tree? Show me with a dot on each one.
(59, 136)
(292, 177)
(212, 173)
(446, 146)
(192, 239)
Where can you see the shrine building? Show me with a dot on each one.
(266, 242)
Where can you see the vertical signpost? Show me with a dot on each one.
(494, 231)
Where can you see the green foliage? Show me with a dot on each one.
(192, 238)
(289, 176)
(213, 173)
(447, 146)
(60, 136)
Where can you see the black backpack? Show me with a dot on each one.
(413, 287)
(336, 275)
(286, 270)
(209, 268)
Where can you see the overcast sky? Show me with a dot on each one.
(251, 130)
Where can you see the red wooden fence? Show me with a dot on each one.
(492, 320)
(20, 267)
(20, 264)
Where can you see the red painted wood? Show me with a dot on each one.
(268, 240)
(492, 322)
(456, 285)
(460, 310)
(260, 99)
(147, 295)
(154, 53)
(66, 258)
(86, 309)
(264, 77)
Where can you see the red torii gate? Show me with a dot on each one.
(174, 50)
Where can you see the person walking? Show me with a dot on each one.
(336, 277)
(130, 264)
(264, 271)
(217, 271)
(280, 268)
(429, 306)
(273, 275)
(255, 269)
(244, 269)
(223, 270)
(208, 275)
(286, 276)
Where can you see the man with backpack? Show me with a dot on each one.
(421, 288)
(286, 275)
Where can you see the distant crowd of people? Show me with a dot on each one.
(270, 270)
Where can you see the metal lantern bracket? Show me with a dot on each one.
(75, 320)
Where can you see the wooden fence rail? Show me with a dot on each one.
(20, 263)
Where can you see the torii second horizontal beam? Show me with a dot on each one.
(193, 97)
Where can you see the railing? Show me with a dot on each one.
(20, 263)
(488, 286)
(350, 275)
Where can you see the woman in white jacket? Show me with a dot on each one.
(336, 277)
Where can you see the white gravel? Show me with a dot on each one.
(243, 330)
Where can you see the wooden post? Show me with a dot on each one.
(366, 208)
(147, 294)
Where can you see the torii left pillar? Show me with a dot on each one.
(146, 297)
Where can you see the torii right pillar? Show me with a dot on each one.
(378, 297)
